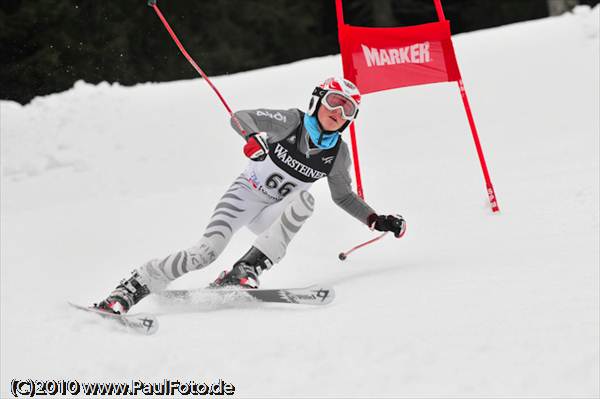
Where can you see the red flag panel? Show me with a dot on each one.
(386, 58)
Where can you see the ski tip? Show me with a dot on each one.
(78, 306)
(141, 323)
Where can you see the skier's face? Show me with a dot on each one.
(330, 120)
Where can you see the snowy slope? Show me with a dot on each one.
(99, 179)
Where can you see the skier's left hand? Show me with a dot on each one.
(395, 224)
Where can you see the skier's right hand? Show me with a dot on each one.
(256, 147)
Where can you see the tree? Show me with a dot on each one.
(557, 7)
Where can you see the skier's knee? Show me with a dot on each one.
(273, 243)
(307, 202)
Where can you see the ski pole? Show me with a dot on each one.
(152, 3)
(343, 255)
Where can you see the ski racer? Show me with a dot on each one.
(289, 150)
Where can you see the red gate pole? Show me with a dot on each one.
(359, 187)
(348, 74)
(486, 174)
(463, 93)
(152, 3)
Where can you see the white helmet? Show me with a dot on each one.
(336, 93)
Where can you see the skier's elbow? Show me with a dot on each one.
(341, 200)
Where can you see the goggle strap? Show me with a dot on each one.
(319, 92)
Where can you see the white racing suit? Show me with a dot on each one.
(270, 197)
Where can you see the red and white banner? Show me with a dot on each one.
(377, 59)
(386, 58)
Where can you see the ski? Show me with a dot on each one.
(141, 323)
(313, 295)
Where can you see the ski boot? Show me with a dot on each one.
(245, 271)
(124, 296)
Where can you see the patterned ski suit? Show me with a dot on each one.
(270, 197)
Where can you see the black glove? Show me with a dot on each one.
(395, 224)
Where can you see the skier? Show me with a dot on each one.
(289, 150)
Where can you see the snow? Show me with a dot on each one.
(101, 178)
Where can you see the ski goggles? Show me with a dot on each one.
(333, 100)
